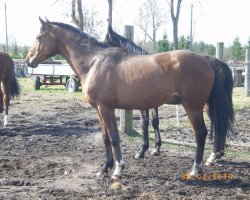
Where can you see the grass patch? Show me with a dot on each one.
(240, 100)
(27, 85)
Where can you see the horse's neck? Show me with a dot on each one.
(78, 58)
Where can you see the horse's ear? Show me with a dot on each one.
(44, 23)
(47, 20)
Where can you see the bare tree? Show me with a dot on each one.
(175, 18)
(77, 19)
(151, 17)
(82, 17)
(110, 19)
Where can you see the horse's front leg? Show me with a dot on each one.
(155, 124)
(145, 123)
(110, 161)
(108, 116)
(197, 121)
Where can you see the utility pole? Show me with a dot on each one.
(6, 29)
(191, 28)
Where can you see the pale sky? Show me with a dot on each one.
(214, 20)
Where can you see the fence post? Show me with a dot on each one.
(247, 71)
(126, 116)
(219, 50)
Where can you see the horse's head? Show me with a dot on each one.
(44, 46)
(111, 38)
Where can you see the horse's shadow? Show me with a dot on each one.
(76, 127)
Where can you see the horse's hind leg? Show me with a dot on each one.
(218, 151)
(197, 121)
(145, 123)
(155, 124)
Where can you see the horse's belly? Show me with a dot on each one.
(145, 98)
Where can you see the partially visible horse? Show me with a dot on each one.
(111, 78)
(9, 82)
(114, 39)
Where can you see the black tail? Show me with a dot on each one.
(228, 88)
(14, 88)
(221, 108)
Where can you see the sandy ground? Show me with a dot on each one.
(53, 148)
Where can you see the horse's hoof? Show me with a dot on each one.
(139, 155)
(209, 164)
(99, 174)
(116, 177)
(196, 170)
(155, 152)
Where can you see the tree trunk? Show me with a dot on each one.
(110, 12)
(175, 19)
(79, 8)
(175, 36)
(78, 21)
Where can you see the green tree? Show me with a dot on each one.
(14, 53)
(203, 48)
(163, 45)
(58, 57)
(25, 52)
(184, 42)
(237, 50)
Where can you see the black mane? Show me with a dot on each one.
(113, 37)
(80, 33)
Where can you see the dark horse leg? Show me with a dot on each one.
(155, 124)
(1, 99)
(108, 120)
(110, 161)
(6, 99)
(197, 121)
(145, 124)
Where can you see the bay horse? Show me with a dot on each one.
(9, 82)
(111, 78)
(114, 39)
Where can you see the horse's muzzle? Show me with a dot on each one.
(31, 64)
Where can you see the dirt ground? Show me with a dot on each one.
(53, 148)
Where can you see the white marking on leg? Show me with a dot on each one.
(211, 159)
(5, 120)
(118, 168)
(98, 174)
(196, 169)
(155, 152)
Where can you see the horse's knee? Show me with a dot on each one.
(106, 140)
(114, 139)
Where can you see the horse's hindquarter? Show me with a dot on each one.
(195, 78)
